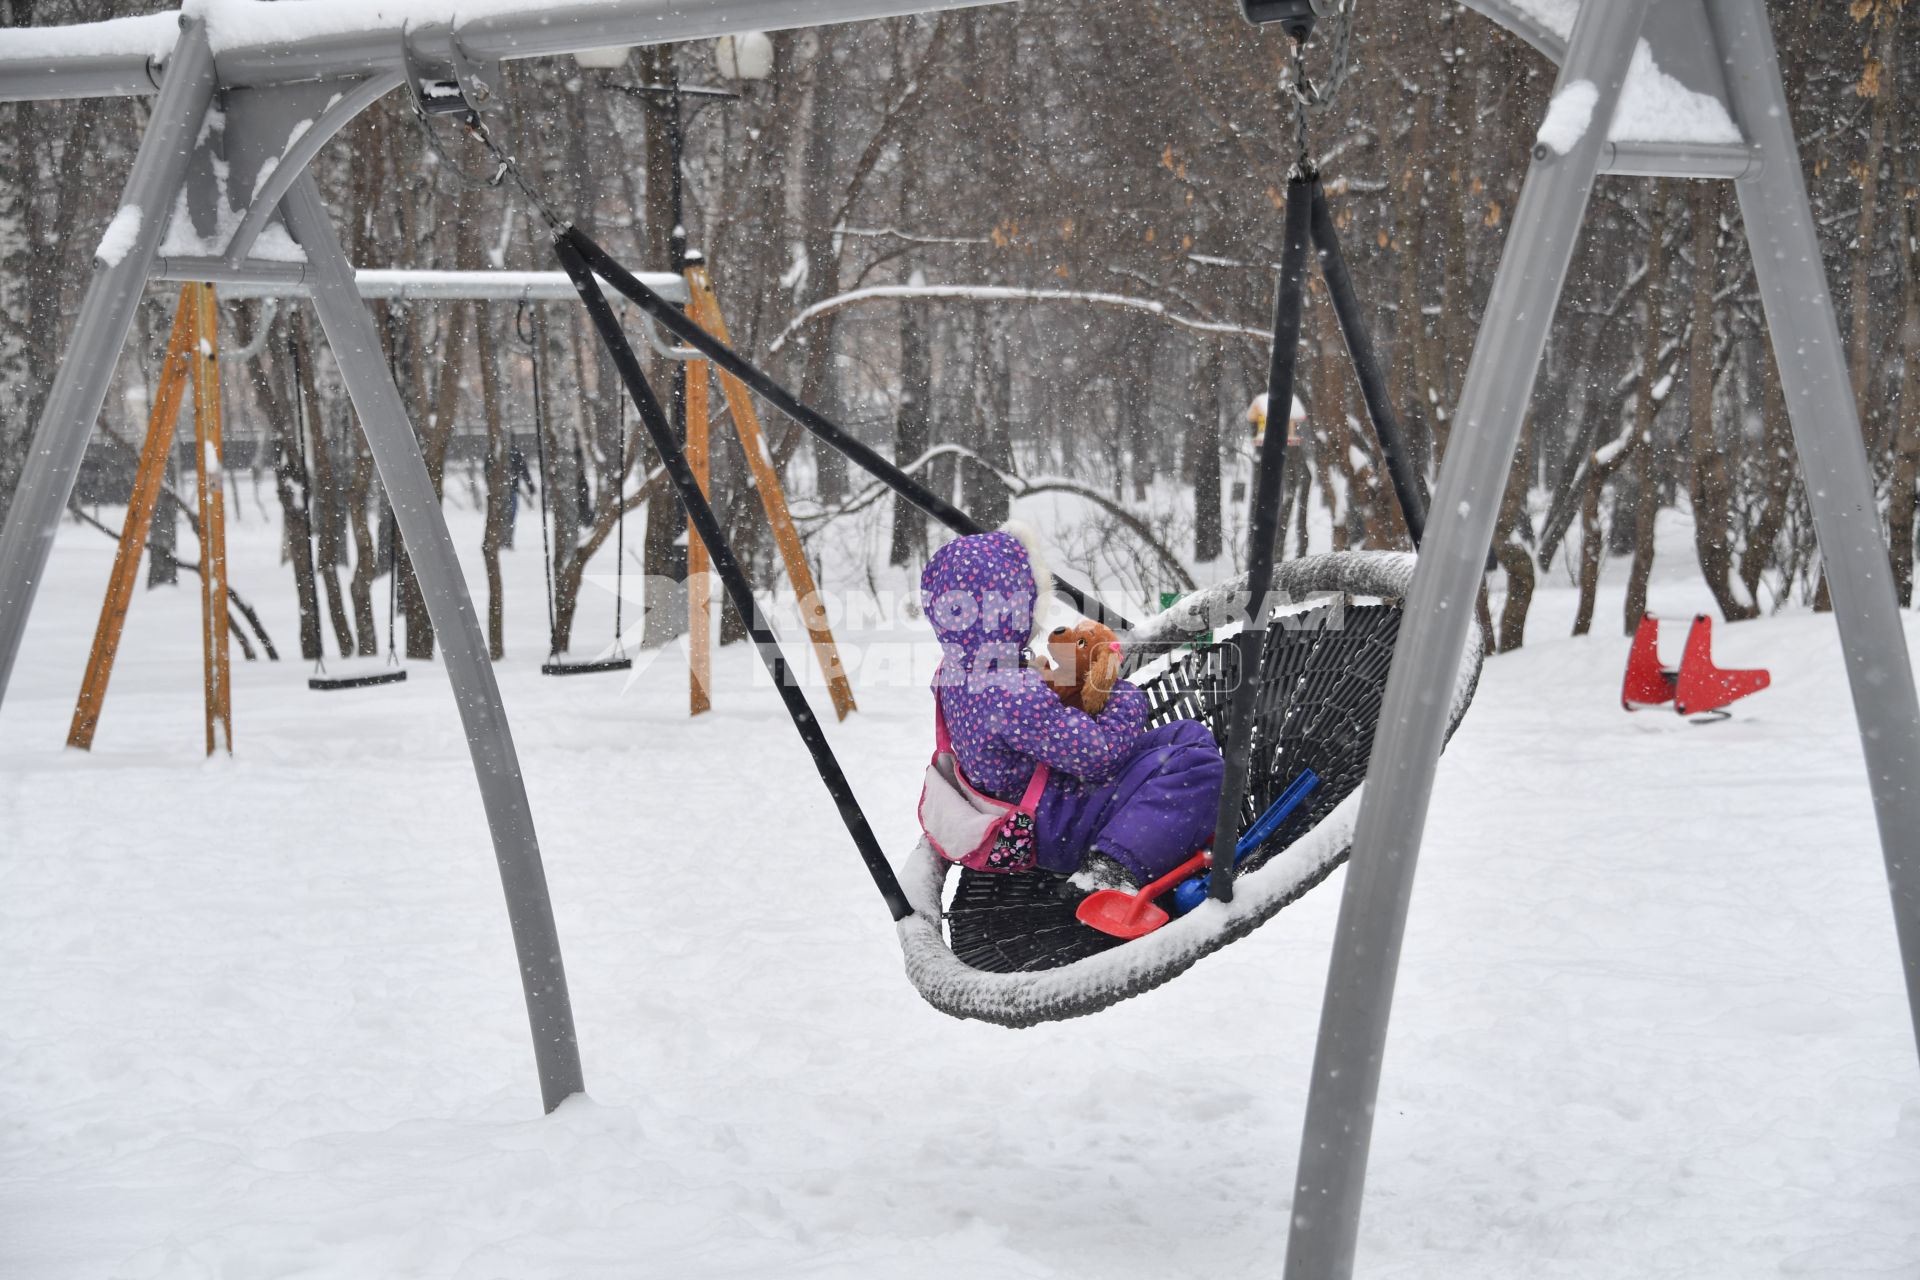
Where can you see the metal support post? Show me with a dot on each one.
(1826, 434)
(356, 346)
(1386, 844)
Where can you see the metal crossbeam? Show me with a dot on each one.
(309, 43)
(258, 279)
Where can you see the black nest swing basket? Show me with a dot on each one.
(1322, 675)
(1008, 948)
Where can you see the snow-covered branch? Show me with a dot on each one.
(1018, 486)
(1006, 293)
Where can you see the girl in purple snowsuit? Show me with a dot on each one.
(1143, 798)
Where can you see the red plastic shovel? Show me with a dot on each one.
(1131, 915)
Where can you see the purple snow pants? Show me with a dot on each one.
(1151, 816)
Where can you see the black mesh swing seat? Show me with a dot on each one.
(1011, 951)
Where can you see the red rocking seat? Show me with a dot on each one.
(1696, 687)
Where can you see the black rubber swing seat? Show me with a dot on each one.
(334, 684)
(589, 668)
(1011, 951)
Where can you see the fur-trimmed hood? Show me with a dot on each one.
(986, 590)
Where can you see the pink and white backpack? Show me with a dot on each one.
(969, 827)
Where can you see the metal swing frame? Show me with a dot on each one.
(1722, 48)
(231, 135)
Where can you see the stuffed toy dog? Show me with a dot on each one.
(1081, 663)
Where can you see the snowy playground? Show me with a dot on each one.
(441, 966)
(1650, 1020)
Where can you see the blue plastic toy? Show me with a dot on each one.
(1189, 894)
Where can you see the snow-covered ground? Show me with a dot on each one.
(260, 1018)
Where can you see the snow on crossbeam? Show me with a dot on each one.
(278, 281)
(1672, 95)
(257, 42)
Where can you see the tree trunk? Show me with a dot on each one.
(912, 430)
(1412, 362)
(499, 484)
(982, 495)
(293, 485)
(366, 560)
(1204, 449)
(1861, 287)
(1711, 534)
(1777, 449)
(326, 495)
(1325, 448)
(561, 479)
(1454, 331)
(1512, 553)
(449, 361)
(663, 555)
(47, 224)
(162, 533)
(413, 607)
(1646, 478)
(1592, 552)
(1906, 471)
(818, 166)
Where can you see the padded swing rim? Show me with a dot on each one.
(1098, 982)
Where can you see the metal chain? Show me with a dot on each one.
(1309, 97)
(504, 165)
(466, 176)
(510, 168)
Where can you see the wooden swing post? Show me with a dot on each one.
(699, 567)
(192, 356)
(210, 474)
(705, 310)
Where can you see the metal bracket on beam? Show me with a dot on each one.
(282, 136)
(442, 76)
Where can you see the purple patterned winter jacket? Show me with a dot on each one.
(979, 595)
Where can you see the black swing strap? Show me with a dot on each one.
(1250, 643)
(1366, 367)
(566, 247)
(675, 321)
